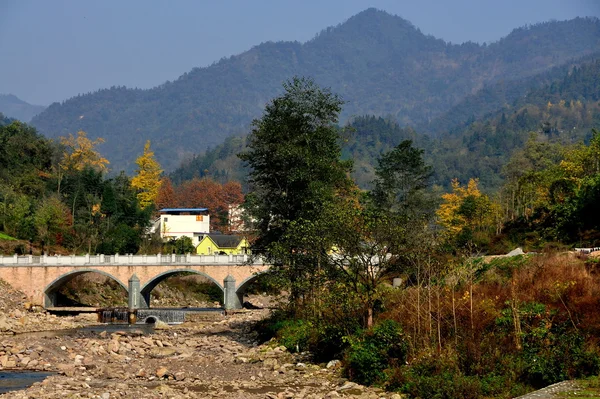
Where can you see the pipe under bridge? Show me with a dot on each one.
(40, 277)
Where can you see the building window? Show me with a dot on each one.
(199, 218)
(166, 219)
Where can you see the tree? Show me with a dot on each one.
(147, 179)
(79, 153)
(376, 240)
(51, 220)
(165, 197)
(466, 214)
(207, 193)
(401, 177)
(296, 171)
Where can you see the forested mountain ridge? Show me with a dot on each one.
(380, 64)
(496, 96)
(14, 107)
(564, 109)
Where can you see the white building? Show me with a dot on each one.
(178, 222)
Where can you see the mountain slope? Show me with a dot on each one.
(14, 107)
(564, 109)
(380, 64)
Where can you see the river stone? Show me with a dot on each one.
(160, 325)
(333, 363)
(271, 363)
(160, 353)
(161, 372)
(515, 252)
(180, 376)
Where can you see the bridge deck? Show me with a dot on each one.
(115, 260)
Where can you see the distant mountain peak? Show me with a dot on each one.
(378, 63)
(13, 107)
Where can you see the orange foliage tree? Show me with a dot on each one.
(166, 197)
(203, 193)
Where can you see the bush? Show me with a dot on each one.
(295, 335)
(375, 350)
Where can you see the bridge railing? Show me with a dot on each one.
(127, 259)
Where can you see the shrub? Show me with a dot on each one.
(375, 350)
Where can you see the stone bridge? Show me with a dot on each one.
(40, 277)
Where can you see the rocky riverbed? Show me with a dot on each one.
(202, 359)
(213, 356)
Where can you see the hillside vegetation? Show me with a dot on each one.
(378, 63)
(564, 109)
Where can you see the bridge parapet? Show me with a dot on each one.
(128, 259)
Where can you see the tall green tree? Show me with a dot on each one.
(296, 171)
(377, 239)
(401, 177)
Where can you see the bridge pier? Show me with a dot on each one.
(135, 298)
(231, 298)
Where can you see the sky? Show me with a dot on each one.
(53, 50)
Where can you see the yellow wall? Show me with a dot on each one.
(208, 247)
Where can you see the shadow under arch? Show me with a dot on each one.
(52, 288)
(243, 286)
(150, 285)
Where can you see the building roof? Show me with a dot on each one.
(182, 210)
(225, 240)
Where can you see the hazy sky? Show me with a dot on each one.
(53, 50)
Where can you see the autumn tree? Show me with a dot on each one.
(147, 179)
(207, 193)
(80, 152)
(166, 197)
(466, 214)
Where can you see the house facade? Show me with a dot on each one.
(178, 222)
(213, 244)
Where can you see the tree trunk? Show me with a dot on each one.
(454, 318)
(370, 316)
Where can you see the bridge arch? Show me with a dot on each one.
(51, 289)
(154, 281)
(241, 288)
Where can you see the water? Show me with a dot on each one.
(16, 380)
(169, 316)
(151, 315)
(115, 315)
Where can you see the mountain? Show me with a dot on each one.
(561, 106)
(498, 95)
(14, 107)
(380, 64)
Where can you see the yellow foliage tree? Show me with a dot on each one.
(583, 161)
(466, 207)
(80, 152)
(147, 181)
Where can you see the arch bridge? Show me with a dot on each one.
(40, 277)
